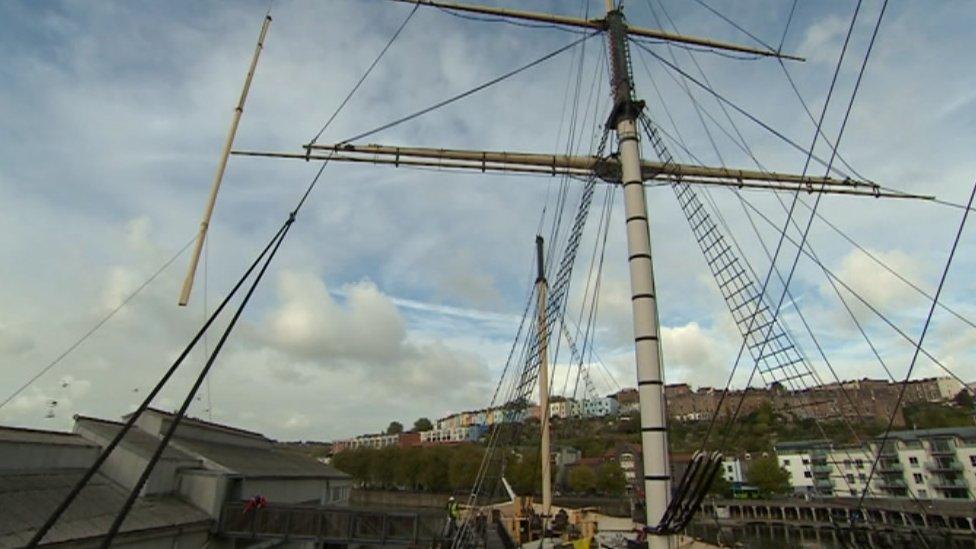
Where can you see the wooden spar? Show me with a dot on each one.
(599, 24)
(221, 166)
(588, 163)
(818, 186)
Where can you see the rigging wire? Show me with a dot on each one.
(738, 27)
(363, 77)
(471, 91)
(870, 306)
(178, 417)
(274, 246)
(786, 28)
(840, 134)
(509, 21)
(921, 339)
(780, 240)
(740, 110)
(101, 322)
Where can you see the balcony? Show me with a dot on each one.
(889, 450)
(942, 483)
(889, 483)
(942, 448)
(886, 466)
(821, 469)
(823, 483)
(944, 466)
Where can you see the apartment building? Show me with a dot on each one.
(924, 463)
(929, 463)
(598, 407)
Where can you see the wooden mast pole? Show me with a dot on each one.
(650, 385)
(221, 166)
(542, 335)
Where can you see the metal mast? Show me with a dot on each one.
(650, 386)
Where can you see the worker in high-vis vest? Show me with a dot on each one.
(453, 513)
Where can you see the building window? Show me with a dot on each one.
(806, 461)
(859, 463)
(923, 494)
(786, 463)
(850, 479)
(917, 477)
(806, 474)
(913, 461)
(728, 468)
(862, 477)
(847, 464)
(972, 460)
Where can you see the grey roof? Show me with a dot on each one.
(259, 462)
(190, 420)
(38, 436)
(941, 432)
(27, 500)
(136, 439)
(802, 444)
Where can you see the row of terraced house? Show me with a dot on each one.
(470, 425)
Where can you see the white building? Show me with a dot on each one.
(564, 408)
(732, 470)
(598, 407)
(457, 434)
(375, 442)
(925, 463)
(929, 463)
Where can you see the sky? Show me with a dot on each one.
(398, 291)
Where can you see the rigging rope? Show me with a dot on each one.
(471, 91)
(843, 126)
(363, 77)
(778, 248)
(740, 110)
(178, 418)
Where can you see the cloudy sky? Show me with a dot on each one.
(398, 292)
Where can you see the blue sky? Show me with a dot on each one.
(398, 292)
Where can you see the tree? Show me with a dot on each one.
(964, 399)
(720, 487)
(395, 428)
(582, 479)
(610, 479)
(434, 473)
(464, 465)
(355, 463)
(410, 464)
(766, 474)
(422, 424)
